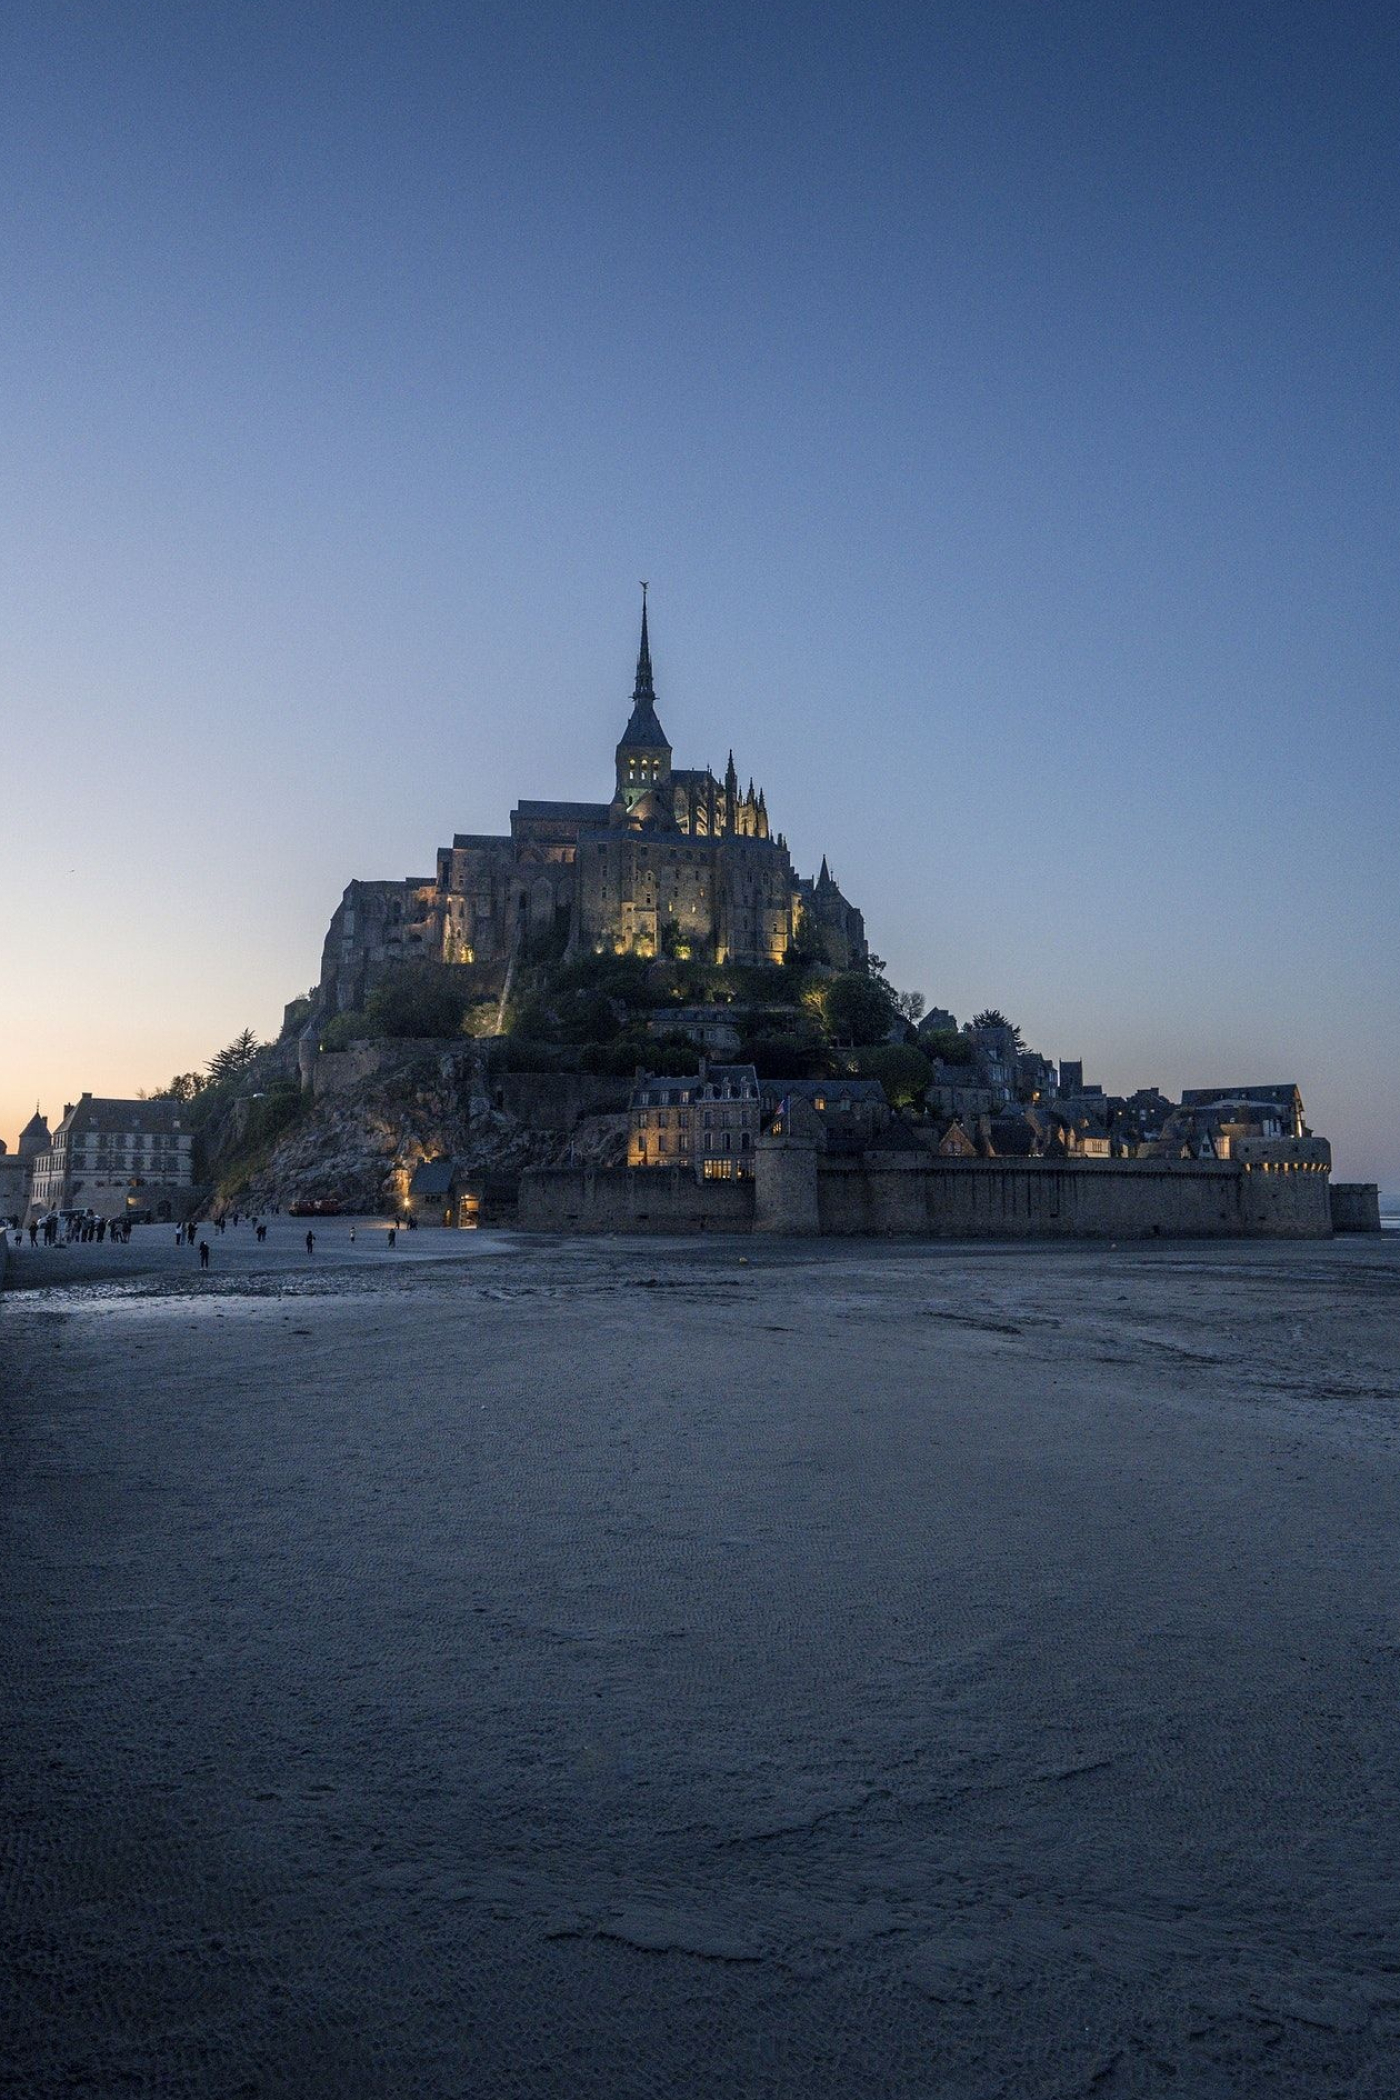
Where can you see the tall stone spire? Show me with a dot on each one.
(644, 689)
(643, 756)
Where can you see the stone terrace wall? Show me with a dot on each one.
(630, 1199)
(335, 1071)
(557, 1100)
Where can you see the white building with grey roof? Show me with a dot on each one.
(111, 1157)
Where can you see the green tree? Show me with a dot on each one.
(993, 1017)
(794, 1054)
(234, 1059)
(183, 1087)
(904, 1072)
(858, 1008)
(587, 1017)
(911, 1005)
(948, 1046)
(534, 1020)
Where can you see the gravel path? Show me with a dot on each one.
(508, 1667)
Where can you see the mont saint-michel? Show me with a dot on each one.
(678, 862)
(637, 1015)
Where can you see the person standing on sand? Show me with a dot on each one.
(352, 1235)
(311, 1243)
(393, 1234)
(204, 1254)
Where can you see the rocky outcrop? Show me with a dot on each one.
(360, 1145)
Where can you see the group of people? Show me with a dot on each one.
(56, 1230)
(75, 1230)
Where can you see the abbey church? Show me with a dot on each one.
(678, 863)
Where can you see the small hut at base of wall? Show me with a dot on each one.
(432, 1193)
(442, 1193)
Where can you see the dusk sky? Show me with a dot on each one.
(1000, 399)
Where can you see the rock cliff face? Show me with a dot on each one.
(359, 1146)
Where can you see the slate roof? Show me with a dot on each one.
(1080, 1119)
(35, 1133)
(564, 812)
(837, 1089)
(828, 1090)
(643, 728)
(673, 1084)
(898, 1137)
(432, 1178)
(112, 1117)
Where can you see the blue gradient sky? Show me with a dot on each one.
(1000, 399)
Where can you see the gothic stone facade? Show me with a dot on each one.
(678, 861)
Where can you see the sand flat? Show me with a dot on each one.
(612, 1668)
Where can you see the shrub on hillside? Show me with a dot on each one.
(344, 1029)
(417, 999)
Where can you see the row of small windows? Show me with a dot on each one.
(725, 1144)
(660, 1118)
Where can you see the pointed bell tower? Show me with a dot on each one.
(643, 756)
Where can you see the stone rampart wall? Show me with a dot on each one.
(1099, 1199)
(1356, 1206)
(974, 1199)
(629, 1199)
